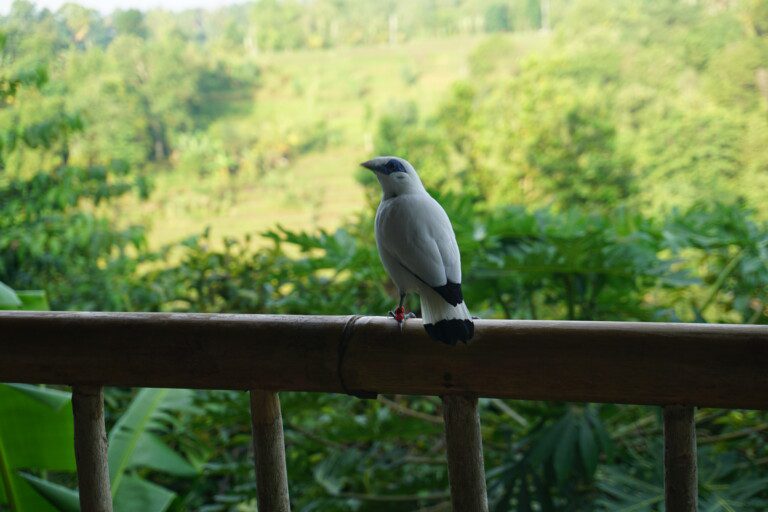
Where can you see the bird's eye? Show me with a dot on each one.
(394, 166)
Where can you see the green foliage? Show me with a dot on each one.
(65, 500)
(50, 232)
(33, 300)
(33, 433)
(134, 444)
(8, 297)
(50, 227)
(129, 22)
(36, 432)
(535, 140)
(45, 442)
(552, 464)
(596, 112)
(241, 278)
(597, 267)
(400, 132)
(641, 487)
(733, 73)
(497, 18)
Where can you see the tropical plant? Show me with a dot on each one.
(41, 436)
(35, 435)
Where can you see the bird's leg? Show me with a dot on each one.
(409, 314)
(399, 314)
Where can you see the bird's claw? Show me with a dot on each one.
(408, 315)
(401, 316)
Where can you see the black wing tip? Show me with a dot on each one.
(451, 331)
(450, 292)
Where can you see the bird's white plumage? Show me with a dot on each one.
(434, 308)
(416, 242)
(415, 238)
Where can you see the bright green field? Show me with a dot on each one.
(347, 89)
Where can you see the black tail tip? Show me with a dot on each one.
(451, 331)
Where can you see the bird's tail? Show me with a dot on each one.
(446, 323)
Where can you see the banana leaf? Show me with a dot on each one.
(35, 432)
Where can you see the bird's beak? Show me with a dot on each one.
(371, 165)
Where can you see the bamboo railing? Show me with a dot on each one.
(677, 366)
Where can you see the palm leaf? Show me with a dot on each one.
(8, 297)
(39, 430)
(33, 300)
(63, 498)
(35, 432)
(138, 495)
(133, 443)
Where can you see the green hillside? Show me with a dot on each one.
(334, 94)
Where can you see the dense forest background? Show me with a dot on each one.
(599, 160)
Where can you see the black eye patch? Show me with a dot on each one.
(393, 166)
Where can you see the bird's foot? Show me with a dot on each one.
(401, 316)
(398, 314)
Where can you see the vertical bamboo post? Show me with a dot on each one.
(269, 452)
(91, 449)
(680, 479)
(465, 454)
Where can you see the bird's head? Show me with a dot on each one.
(396, 176)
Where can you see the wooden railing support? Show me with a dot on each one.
(269, 452)
(466, 471)
(91, 449)
(680, 473)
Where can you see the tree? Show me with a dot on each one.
(129, 22)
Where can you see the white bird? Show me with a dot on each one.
(419, 251)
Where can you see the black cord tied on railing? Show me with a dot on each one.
(346, 337)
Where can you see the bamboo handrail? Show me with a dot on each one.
(639, 363)
(678, 366)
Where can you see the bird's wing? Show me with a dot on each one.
(417, 231)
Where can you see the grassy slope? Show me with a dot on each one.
(347, 88)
